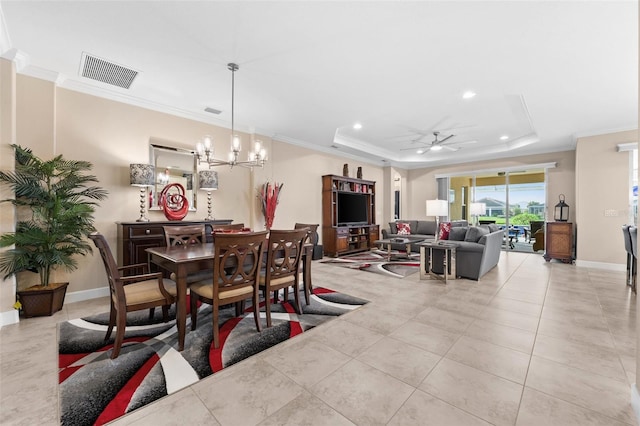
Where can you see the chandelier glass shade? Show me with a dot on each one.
(205, 151)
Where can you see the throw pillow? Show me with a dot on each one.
(404, 228)
(457, 233)
(474, 234)
(443, 232)
(393, 228)
(493, 227)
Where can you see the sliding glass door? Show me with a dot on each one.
(511, 199)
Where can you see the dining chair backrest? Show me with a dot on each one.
(231, 226)
(633, 232)
(237, 260)
(313, 231)
(110, 266)
(184, 235)
(284, 253)
(627, 239)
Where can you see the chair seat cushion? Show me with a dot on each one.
(147, 291)
(206, 274)
(277, 281)
(205, 289)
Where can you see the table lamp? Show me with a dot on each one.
(142, 175)
(477, 209)
(437, 208)
(208, 181)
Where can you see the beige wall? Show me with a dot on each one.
(7, 212)
(112, 135)
(602, 183)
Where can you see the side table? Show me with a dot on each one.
(449, 252)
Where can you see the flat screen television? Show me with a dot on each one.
(352, 209)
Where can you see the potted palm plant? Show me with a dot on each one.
(57, 201)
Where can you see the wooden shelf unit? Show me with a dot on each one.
(339, 239)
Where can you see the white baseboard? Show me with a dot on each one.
(13, 317)
(9, 317)
(635, 401)
(79, 296)
(602, 265)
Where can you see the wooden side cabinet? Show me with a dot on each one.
(135, 237)
(559, 241)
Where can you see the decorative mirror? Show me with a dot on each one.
(173, 165)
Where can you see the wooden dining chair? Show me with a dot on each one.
(184, 235)
(236, 268)
(229, 227)
(282, 268)
(131, 293)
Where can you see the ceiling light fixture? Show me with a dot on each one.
(504, 137)
(420, 151)
(468, 94)
(357, 126)
(436, 148)
(205, 151)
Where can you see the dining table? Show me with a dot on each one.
(186, 259)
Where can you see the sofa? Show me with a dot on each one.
(478, 250)
(425, 229)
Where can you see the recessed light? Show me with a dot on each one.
(468, 94)
(436, 148)
(504, 137)
(419, 151)
(357, 126)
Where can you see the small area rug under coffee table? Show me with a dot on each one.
(94, 389)
(376, 261)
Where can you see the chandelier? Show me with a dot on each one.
(205, 152)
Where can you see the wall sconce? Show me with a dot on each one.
(208, 181)
(437, 208)
(561, 213)
(142, 175)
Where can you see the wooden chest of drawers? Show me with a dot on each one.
(135, 237)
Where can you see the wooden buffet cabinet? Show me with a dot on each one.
(559, 241)
(135, 237)
(343, 238)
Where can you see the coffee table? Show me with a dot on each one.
(398, 244)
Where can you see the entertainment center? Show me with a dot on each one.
(348, 215)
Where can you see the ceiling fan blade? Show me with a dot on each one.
(460, 143)
(444, 139)
(414, 148)
(450, 148)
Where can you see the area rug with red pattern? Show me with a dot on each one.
(376, 261)
(94, 389)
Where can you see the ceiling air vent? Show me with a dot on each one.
(107, 72)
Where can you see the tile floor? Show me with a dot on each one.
(531, 343)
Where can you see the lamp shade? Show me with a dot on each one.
(208, 179)
(478, 209)
(437, 208)
(141, 174)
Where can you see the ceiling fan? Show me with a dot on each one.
(438, 144)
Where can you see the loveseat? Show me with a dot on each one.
(477, 250)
